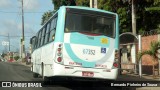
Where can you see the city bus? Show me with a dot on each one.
(78, 42)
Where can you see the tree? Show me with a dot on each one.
(147, 18)
(123, 8)
(16, 58)
(3, 55)
(82, 3)
(58, 3)
(153, 52)
(154, 7)
(46, 16)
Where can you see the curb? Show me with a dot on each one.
(24, 63)
(132, 77)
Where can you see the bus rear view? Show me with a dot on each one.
(77, 42)
(87, 44)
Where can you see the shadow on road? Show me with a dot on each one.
(84, 85)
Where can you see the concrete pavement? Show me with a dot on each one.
(131, 77)
(127, 77)
(124, 77)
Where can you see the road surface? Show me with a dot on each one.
(17, 72)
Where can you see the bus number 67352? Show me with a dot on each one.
(89, 51)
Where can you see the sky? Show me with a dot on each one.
(11, 21)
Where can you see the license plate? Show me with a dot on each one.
(87, 74)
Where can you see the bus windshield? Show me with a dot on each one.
(97, 24)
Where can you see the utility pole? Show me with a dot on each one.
(9, 46)
(8, 42)
(140, 49)
(93, 3)
(133, 17)
(22, 41)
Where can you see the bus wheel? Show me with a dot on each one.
(35, 75)
(42, 66)
(32, 67)
(46, 80)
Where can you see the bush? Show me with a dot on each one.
(16, 58)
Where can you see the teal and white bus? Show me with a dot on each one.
(77, 42)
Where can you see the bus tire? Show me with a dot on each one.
(46, 80)
(35, 75)
(42, 74)
(32, 67)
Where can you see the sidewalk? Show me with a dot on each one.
(133, 77)
(23, 63)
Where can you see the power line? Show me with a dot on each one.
(27, 3)
(18, 12)
(13, 36)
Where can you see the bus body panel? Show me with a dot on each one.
(80, 50)
(77, 72)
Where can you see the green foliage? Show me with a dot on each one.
(147, 12)
(16, 58)
(82, 3)
(141, 31)
(3, 55)
(58, 3)
(122, 8)
(154, 46)
(148, 19)
(154, 7)
(46, 16)
(145, 20)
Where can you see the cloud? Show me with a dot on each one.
(10, 27)
(31, 5)
(5, 3)
(15, 29)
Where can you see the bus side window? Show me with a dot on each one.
(43, 35)
(52, 35)
(39, 39)
(47, 33)
(53, 29)
(36, 41)
(33, 43)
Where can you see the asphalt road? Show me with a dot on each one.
(18, 72)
